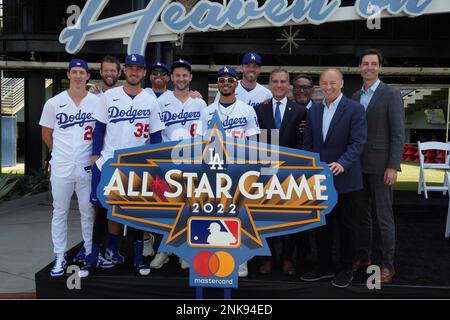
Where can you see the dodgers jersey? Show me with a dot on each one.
(238, 120)
(181, 119)
(253, 97)
(129, 122)
(72, 131)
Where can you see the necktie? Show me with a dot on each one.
(277, 115)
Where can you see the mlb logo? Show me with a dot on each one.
(207, 232)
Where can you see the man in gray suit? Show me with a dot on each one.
(380, 162)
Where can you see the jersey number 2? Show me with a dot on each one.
(88, 133)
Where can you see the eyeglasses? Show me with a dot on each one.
(229, 80)
(304, 88)
(161, 73)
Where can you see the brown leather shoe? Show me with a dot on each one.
(360, 265)
(387, 276)
(288, 268)
(266, 267)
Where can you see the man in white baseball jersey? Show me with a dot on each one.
(248, 89)
(110, 71)
(67, 127)
(128, 117)
(239, 120)
(180, 113)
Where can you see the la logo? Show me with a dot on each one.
(225, 70)
(215, 162)
(253, 57)
(133, 58)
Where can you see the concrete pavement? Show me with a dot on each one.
(25, 240)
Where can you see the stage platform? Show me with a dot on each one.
(422, 264)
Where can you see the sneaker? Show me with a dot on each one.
(142, 270)
(243, 270)
(343, 279)
(103, 263)
(113, 255)
(316, 275)
(159, 260)
(184, 264)
(60, 266)
(86, 271)
(80, 256)
(148, 246)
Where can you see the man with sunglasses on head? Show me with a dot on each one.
(180, 113)
(239, 120)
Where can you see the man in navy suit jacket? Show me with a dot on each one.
(286, 116)
(337, 130)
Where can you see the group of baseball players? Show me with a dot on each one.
(82, 129)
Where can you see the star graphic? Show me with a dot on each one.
(290, 39)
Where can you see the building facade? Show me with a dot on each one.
(416, 50)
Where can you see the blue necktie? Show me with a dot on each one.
(277, 115)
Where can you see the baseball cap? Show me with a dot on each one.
(160, 65)
(227, 70)
(181, 63)
(78, 63)
(252, 57)
(135, 60)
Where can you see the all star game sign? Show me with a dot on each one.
(215, 199)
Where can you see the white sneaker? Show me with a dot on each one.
(60, 266)
(243, 270)
(184, 264)
(159, 260)
(149, 240)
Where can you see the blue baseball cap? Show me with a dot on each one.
(159, 65)
(78, 63)
(252, 57)
(135, 60)
(181, 63)
(227, 70)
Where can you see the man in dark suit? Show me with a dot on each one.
(336, 129)
(285, 115)
(380, 161)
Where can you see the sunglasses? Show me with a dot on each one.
(229, 80)
(161, 73)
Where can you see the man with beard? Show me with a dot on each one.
(110, 71)
(116, 130)
(239, 120)
(248, 89)
(180, 113)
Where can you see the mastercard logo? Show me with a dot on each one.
(220, 264)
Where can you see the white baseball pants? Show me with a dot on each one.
(62, 191)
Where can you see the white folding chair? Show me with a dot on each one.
(425, 146)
